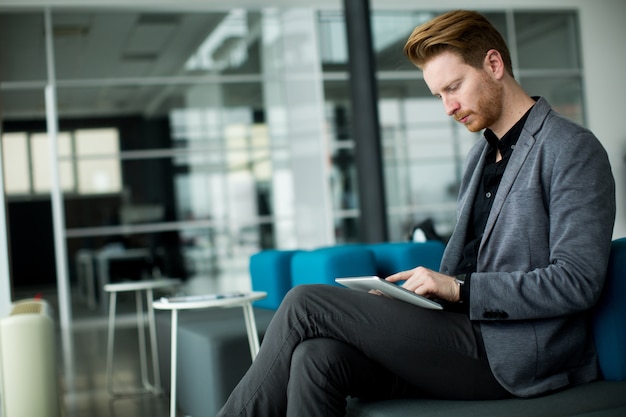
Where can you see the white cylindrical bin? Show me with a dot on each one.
(28, 361)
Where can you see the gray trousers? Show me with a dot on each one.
(326, 343)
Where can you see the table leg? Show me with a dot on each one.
(103, 279)
(91, 290)
(173, 363)
(153, 343)
(253, 335)
(111, 341)
(142, 341)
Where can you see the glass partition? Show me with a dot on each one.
(423, 149)
(162, 146)
(547, 40)
(17, 34)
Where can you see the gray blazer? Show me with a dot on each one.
(543, 256)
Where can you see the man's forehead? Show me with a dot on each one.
(443, 69)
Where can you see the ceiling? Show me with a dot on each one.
(123, 62)
(116, 62)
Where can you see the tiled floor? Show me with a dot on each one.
(82, 367)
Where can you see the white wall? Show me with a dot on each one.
(603, 32)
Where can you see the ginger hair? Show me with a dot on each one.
(466, 33)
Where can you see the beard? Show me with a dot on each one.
(488, 107)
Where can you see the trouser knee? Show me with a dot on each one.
(302, 295)
(320, 361)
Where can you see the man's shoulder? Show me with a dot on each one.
(544, 120)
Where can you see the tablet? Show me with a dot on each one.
(389, 289)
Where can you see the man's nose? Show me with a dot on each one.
(450, 106)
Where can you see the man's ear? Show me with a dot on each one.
(494, 64)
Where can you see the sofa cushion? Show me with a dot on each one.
(602, 398)
(323, 265)
(270, 271)
(609, 324)
(392, 257)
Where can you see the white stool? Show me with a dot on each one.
(193, 302)
(138, 287)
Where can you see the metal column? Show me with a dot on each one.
(365, 123)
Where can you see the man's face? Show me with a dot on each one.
(469, 94)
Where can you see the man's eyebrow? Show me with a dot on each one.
(449, 86)
(452, 83)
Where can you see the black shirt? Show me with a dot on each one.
(491, 177)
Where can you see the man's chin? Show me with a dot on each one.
(474, 127)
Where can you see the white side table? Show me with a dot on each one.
(208, 301)
(147, 287)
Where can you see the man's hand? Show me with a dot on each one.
(431, 284)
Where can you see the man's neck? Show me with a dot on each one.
(516, 103)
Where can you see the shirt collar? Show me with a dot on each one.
(510, 138)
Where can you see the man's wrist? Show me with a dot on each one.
(462, 282)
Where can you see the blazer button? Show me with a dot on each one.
(495, 314)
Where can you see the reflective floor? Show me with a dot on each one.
(83, 388)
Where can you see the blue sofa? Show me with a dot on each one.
(603, 398)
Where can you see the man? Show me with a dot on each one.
(524, 266)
